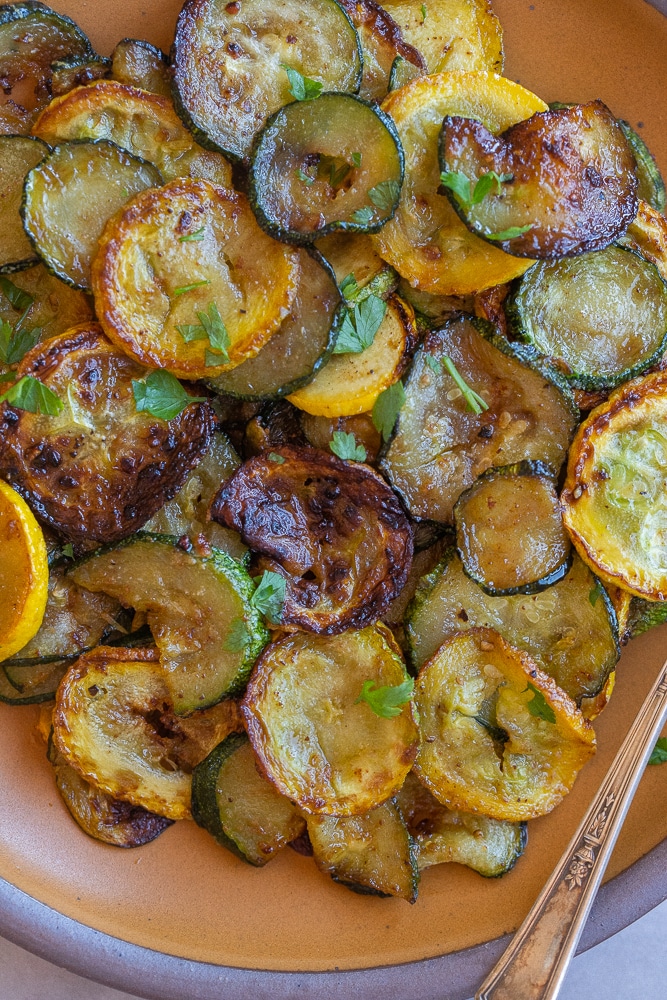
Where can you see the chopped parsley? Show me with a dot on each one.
(473, 400)
(269, 597)
(360, 325)
(193, 237)
(162, 395)
(182, 289)
(386, 409)
(386, 701)
(385, 194)
(659, 754)
(32, 395)
(345, 446)
(508, 234)
(539, 706)
(211, 328)
(301, 87)
(459, 184)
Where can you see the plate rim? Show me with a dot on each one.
(155, 975)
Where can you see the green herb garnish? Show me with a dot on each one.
(68, 550)
(433, 363)
(182, 289)
(595, 593)
(301, 87)
(539, 706)
(18, 299)
(424, 12)
(269, 597)
(659, 754)
(473, 400)
(306, 178)
(15, 343)
(385, 194)
(274, 457)
(32, 395)
(356, 159)
(386, 701)
(349, 288)
(345, 446)
(459, 184)
(162, 395)
(508, 234)
(386, 409)
(193, 237)
(362, 216)
(238, 637)
(360, 326)
(211, 328)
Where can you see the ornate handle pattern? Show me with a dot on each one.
(535, 962)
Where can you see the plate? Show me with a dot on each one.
(182, 917)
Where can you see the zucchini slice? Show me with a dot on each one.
(300, 347)
(601, 318)
(440, 446)
(198, 608)
(319, 431)
(326, 165)
(452, 34)
(40, 686)
(98, 469)
(644, 615)
(314, 739)
(77, 71)
(648, 234)
(567, 181)
(402, 72)
(381, 44)
(615, 495)
(69, 197)
(187, 513)
(32, 38)
(20, 153)
(349, 384)
(490, 847)
(239, 807)
(144, 124)
(153, 284)
(509, 531)
(569, 629)
(651, 186)
(114, 724)
(426, 241)
(231, 63)
(137, 63)
(497, 735)
(333, 530)
(372, 854)
(359, 270)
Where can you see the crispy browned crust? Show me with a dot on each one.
(368, 14)
(96, 484)
(333, 529)
(573, 178)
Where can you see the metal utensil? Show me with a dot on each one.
(535, 962)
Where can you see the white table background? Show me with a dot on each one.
(631, 965)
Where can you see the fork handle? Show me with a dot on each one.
(535, 962)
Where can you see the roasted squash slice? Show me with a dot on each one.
(19, 155)
(382, 43)
(97, 469)
(314, 739)
(195, 307)
(452, 34)
(615, 494)
(114, 724)
(648, 234)
(144, 124)
(426, 241)
(24, 573)
(333, 530)
(497, 736)
(137, 63)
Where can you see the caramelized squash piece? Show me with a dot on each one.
(99, 469)
(381, 43)
(497, 735)
(334, 530)
(567, 180)
(452, 34)
(137, 63)
(158, 293)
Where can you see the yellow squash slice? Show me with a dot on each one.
(497, 735)
(196, 307)
(615, 495)
(144, 124)
(648, 234)
(349, 384)
(426, 241)
(24, 573)
(451, 34)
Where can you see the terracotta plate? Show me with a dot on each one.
(181, 917)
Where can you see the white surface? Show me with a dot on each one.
(630, 966)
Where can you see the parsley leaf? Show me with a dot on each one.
(18, 299)
(211, 328)
(269, 597)
(433, 363)
(238, 638)
(659, 755)
(539, 706)
(459, 184)
(162, 395)
(473, 400)
(68, 550)
(386, 409)
(193, 237)
(275, 457)
(424, 12)
(32, 395)
(508, 234)
(15, 343)
(189, 288)
(486, 182)
(360, 326)
(362, 216)
(595, 593)
(306, 178)
(301, 87)
(385, 194)
(333, 170)
(349, 288)
(356, 159)
(345, 446)
(386, 701)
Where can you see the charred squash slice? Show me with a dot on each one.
(615, 493)
(231, 63)
(497, 736)
(19, 155)
(137, 63)
(452, 34)
(114, 724)
(440, 445)
(98, 469)
(314, 739)
(567, 180)
(382, 43)
(195, 307)
(426, 241)
(144, 124)
(239, 807)
(333, 530)
(198, 607)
